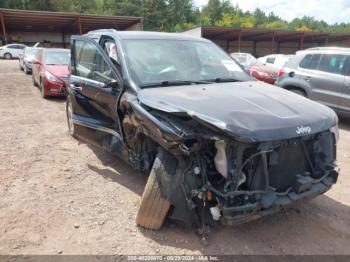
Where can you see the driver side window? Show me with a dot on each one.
(90, 64)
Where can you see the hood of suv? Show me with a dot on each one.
(249, 111)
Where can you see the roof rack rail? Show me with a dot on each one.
(327, 48)
(110, 30)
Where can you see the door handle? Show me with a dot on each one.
(347, 85)
(307, 78)
(75, 87)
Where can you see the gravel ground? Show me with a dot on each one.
(60, 196)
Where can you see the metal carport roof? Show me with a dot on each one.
(62, 22)
(261, 34)
(275, 36)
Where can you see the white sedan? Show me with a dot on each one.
(11, 51)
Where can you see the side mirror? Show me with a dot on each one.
(35, 62)
(291, 74)
(114, 85)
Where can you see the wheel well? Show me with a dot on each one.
(296, 88)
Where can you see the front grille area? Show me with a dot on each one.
(290, 161)
(282, 163)
(311, 157)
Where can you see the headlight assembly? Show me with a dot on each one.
(51, 77)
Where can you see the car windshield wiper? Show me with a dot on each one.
(176, 83)
(223, 80)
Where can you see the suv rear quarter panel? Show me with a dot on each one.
(298, 80)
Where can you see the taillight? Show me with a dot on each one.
(281, 73)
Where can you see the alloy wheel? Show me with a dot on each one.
(8, 56)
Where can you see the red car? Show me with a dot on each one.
(264, 73)
(50, 71)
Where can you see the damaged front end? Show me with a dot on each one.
(264, 177)
(235, 182)
(221, 177)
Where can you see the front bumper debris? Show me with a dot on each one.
(271, 202)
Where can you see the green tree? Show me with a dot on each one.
(276, 25)
(213, 10)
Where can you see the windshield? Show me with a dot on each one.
(156, 61)
(57, 58)
(30, 52)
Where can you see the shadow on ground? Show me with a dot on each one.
(344, 123)
(116, 170)
(59, 100)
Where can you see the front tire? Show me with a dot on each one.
(7, 56)
(34, 82)
(42, 89)
(154, 207)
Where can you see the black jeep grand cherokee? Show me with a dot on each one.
(218, 146)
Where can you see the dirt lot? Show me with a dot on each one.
(58, 195)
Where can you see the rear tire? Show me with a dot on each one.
(69, 112)
(154, 207)
(7, 56)
(298, 92)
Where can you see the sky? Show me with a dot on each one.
(331, 11)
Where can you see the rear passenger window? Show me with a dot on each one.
(332, 64)
(310, 61)
(270, 60)
(89, 63)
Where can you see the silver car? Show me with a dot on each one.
(321, 74)
(25, 60)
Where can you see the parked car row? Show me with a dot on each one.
(265, 68)
(49, 69)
